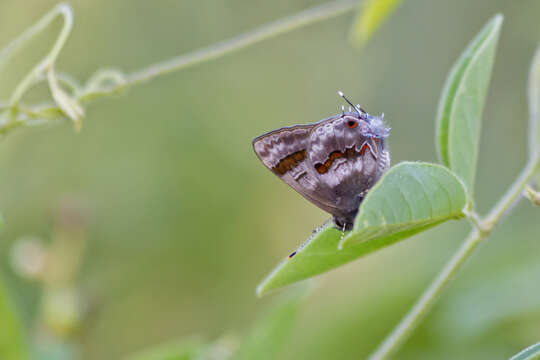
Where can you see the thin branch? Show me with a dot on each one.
(475, 220)
(10, 50)
(95, 88)
(533, 94)
(513, 193)
(409, 323)
(276, 28)
(63, 10)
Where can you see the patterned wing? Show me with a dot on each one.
(349, 158)
(285, 152)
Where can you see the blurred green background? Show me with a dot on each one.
(182, 221)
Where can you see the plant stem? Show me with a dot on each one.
(303, 18)
(65, 11)
(32, 31)
(276, 28)
(411, 320)
(513, 193)
(214, 51)
(422, 306)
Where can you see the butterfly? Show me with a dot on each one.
(333, 162)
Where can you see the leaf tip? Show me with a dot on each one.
(370, 16)
(498, 18)
(268, 283)
(259, 291)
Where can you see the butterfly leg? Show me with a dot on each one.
(315, 231)
(343, 232)
(363, 194)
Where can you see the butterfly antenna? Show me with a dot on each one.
(358, 110)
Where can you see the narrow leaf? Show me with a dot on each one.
(409, 198)
(369, 18)
(530, 353)
(534, 104)
(269, 336)
(12, 344)
(462, 102)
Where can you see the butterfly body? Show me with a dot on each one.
(332, 163)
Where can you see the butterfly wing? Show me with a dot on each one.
(332, 163)
(349, 159)
(285, 152)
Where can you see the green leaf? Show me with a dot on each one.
(462, 102)
(534, 104)
(530, 353)
(465, 315)
(178, 350)
(268, 337)
(12, 344)
(409, 198)
(369, 18)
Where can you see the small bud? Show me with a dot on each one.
(532, 195)
(28, 257)
(61, 310)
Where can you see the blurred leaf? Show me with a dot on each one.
(180, 350)
(68, 104)
(54, 350)
(534, 103)
(268, 337)
(409, 196)
(369, 18)
(467, 314)
(45, 112)
(530, 353)
(462, 101)
(12, 345)
(421, 196)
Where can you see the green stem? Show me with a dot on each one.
(413, 318)
(422, 306)
(303, 18)
(61, 9)
(513, 193)
(91, 92)
(7, 52)
(276, 28)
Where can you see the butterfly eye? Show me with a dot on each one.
(352, 124)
